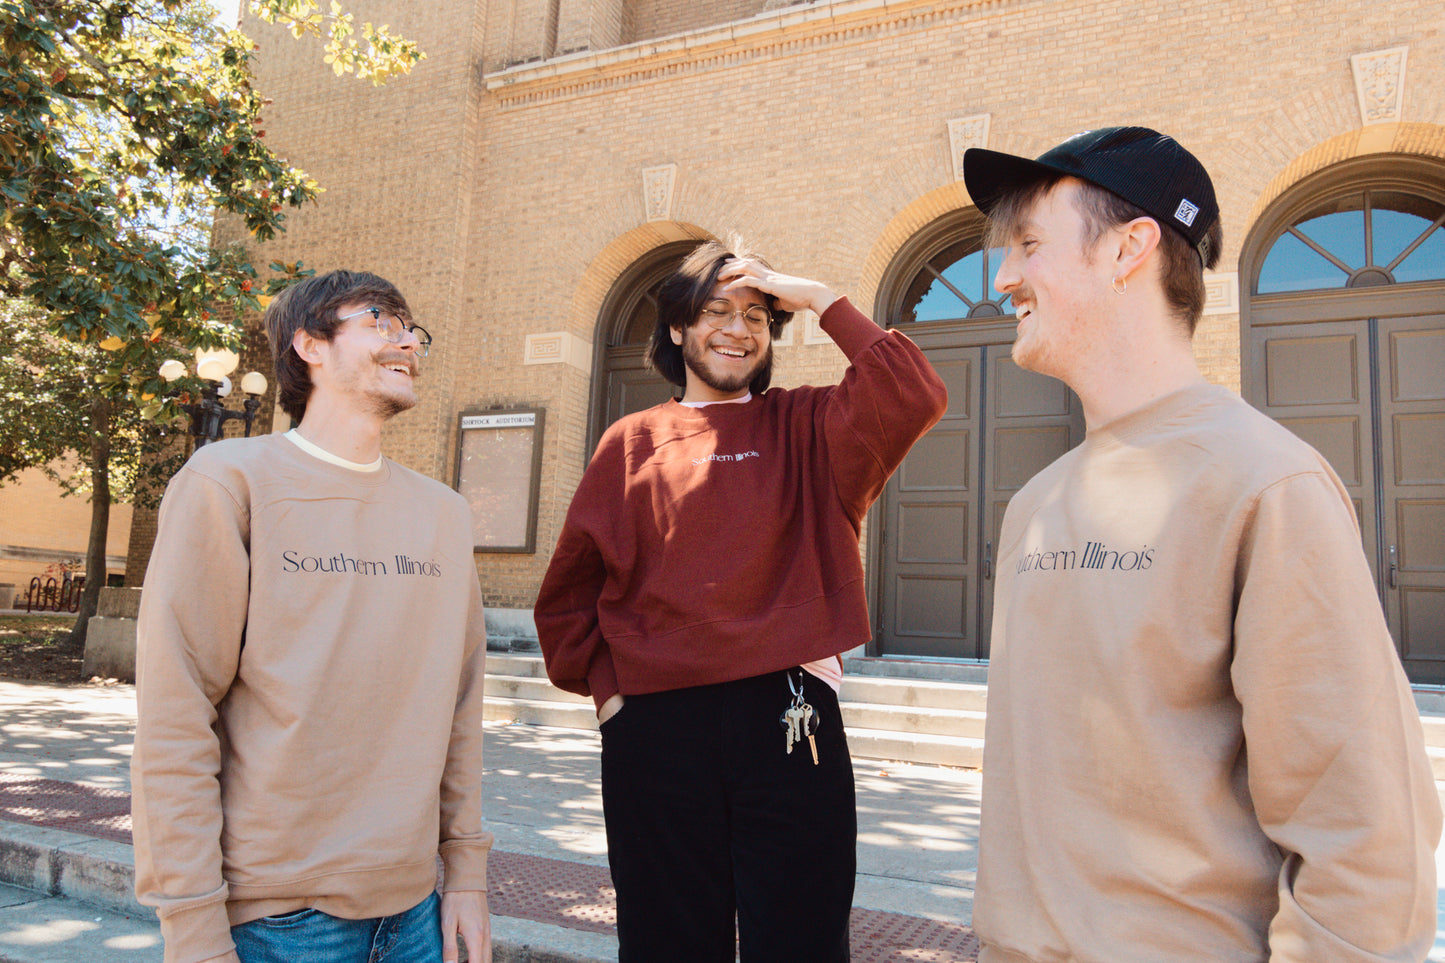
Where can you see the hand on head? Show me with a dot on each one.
(793, 293)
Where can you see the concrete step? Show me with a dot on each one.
(935, 670)
(913, 693)
(898, 718)
(949, 738)
(958, 723)
(527, 666)
(540, 712)
(894, 708)
(916, 748)
(529, 687)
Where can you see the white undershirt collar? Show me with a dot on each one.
(311, 448)
(729, 401)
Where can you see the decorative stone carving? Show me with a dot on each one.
(1221, 292)
(812, 327)
(657, 191)
(558, 347)
(964, 133)
(1380, 84)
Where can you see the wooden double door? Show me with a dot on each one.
(1369, 394)
(941, 512)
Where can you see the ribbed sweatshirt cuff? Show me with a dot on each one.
(196, 932)
(851, 330)
(602, 679)
(464, 864)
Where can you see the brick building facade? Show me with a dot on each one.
(43, 534)
(527, 182)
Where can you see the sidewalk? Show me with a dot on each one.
(65, 853)
(65, 831)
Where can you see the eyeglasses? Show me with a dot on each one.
(391, 328)
(719, 314)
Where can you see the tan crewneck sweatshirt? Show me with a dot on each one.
(309, 679)
(1200, 744)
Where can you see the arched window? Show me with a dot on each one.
(956, 283)
(1364, 238)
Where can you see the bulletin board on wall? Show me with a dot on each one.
(499, 471)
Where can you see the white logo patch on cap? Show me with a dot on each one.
(1186, 212)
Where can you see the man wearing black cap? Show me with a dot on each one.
(1200, 743)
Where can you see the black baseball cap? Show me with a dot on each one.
(1146, 168)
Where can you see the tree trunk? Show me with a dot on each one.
(99, 518)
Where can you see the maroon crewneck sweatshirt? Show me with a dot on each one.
(710, 544)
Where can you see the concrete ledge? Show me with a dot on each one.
(118, 603)
(59, 863)
(99, 873)
(109, 649)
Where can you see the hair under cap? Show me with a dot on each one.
(1144, 167)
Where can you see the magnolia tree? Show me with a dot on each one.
(124, 127)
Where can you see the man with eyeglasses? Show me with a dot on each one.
(309, 671)
(704, 584)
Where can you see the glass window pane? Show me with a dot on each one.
(1341, 233)
(1293, 266)
(965, 267)
(938, 304)
(1426, 262)
(1393, 231)
(967, 276)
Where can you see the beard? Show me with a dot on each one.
(383, 399)
(693, 356)
(389, 406)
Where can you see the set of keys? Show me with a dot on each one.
(800, 720)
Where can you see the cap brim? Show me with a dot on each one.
(989, 174)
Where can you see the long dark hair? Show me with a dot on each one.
(680, 301)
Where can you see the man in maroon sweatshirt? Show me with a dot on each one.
(703, 587)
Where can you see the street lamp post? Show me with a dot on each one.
(209, 416)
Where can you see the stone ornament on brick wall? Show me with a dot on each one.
(558, 347)
(812, 327)
(964, 133)
(657, 191)
(1221, 292)
(1380, 84)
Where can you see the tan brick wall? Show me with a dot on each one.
(590, 24)
(662, 18)
(36, 519)
(509, 209)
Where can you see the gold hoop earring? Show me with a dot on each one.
(1119, 285)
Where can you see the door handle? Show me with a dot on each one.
(1393, 566)
(988, 561)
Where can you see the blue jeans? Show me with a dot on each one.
(310, 936)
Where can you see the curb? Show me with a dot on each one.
(70, 866)
(101, 873)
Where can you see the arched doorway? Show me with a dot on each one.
(624, 382)
(940, 513)
(1343, 342)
